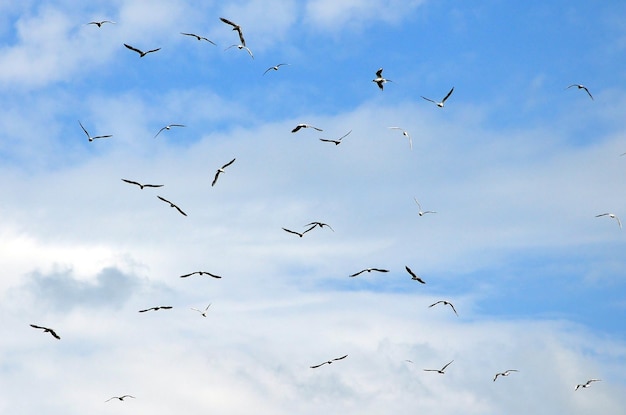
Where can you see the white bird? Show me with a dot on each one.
(235, 27)
(198, 37)
(440, 104)
(414, 276)
(579, 86)
(586, 384)
(505, 373)
(202, 312)
(100, 23)
(404, 133)
(444, 302)
(337, 141)
(329, 361)
(441, 371)
(422, 213)
(89, 137)
(241, 47)
(140, 52)
(168, 127)
(274, 67)
(300, 126)
(121, 398)
(221, 170)
(379, 80)
(613, 216)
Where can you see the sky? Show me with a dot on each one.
(516, 165)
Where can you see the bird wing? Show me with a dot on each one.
(297, 128)
(249, 52)
(589, 93)
(164, 128)
(345, 135)
(131, 182)
(316, 366)
(379, 73)
(217, 173)
(81, 126)
(602, 214)
(413, 275)
(153, 50)
(229, 22)
(180, 210)
(228, 164)
(240, 33)
(315, 128)
(147, 309)
(166, 307)
(330, 141)
(448, 95)
(340, 358)
(188, 275)
(165, 200)
(444, 368)
(360, 272)
(428, 99)
(133, 49)
(434, 304)
(212, 275)
(54, 334)
(380, 270)
(37, 327)
(294, 232)
(101, 136)
(152, 185)
(618, 222)
(268, 69)
(453, 309)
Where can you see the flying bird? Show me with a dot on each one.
(121, 398)
(337, 141)
(444, 302)
(613, 216)
(173, 205)
(202, 312)
(198, 37)
(440, 104)
(47, 330)
(237, 28)
(242, 47)
(320, 224)
(422, 213)
(200, 273)
(100, 23)
(141, 185)
(404, 133)
(141, 53)
(274, 67)
(89, 137)
(369, 270)
(221, 170)
(505, 373)
(380, 81)
(441, 371)
(329, 361)
(298, 233)
(586, 384)
(168, 127)
(300, 126)
(579, 86)
(162, 307)
(414, 276)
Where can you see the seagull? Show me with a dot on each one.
(299, 126)
(198, 37)
(142, 185)
(369, 270)
(579, 86)
(200, 273)
(586, 384)
(168, 127)
(404, 133)
(329, 361)
(173, 205)
(163, 307)
(613, 216)
(414, 276)
(379, 79)
(235, 27)
(221, 170)
(274, 67)
(441, 371)
(141, 53)
(505, 373)
(421, 213)
(445, 303)
(202, 312)
(337, 141)
(320, 224)
(100, 23)
(89, 136)
(440, 104)
(121, 398)
(298, 233)
(242, 47)
(47, 330)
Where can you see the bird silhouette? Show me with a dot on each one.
(237, 28)
(220, 171)
(200, 273)
(47, 330)
(198, 37)
(329, 362)
(443, 101)
(414, 276)
(121, 398)
(445, 303)
(161, 307)
(579, 86)
(140, 52)
(379, 80)
(173, 205)
(141, 185)
(441, 371)
(337, 141)
(505, 373)
(369, 270)
(89, 137)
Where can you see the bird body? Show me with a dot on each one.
(379, 80)
(369, 270)
(140, 52)
(329, 361)
(47, 330)
(220, 171)
(442, 102)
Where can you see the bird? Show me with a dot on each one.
(202, 312)
(445, 303)
(235, 27)
(121, 398)
(198, 37)
(414, 276)
(141, 53)
(320, 224)
(300, 126)
(200, 273)
(337, 141)
(89, 137)
(242, 47)
(404, 133)
(173, 205)
(441, 371)
(329, 361)
(100, 23)
(142, 185)
(422, 213)
(298, 233)
(586, 384)
(579, 86)
(440, 104)
(613, 216)
(274, 67)
(162, 307)
(168, 127)
(380, 81)
(221, 170)
(47, 330)
(369, 270)
(505, 373)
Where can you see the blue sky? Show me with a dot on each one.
(516, 165)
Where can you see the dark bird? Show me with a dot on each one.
(329, 361)
(198, 37)
(445, 303)
(299, 126)
(414, 276)
(440, 104)
(380, 81)
(173, 205)
(47, 330)
(441, 371)
(202, 312)
(337, 141)
(505, 373)
(274, 67)
(100, 23)
(579, 86)
(89, 137)
(612, 216)
(200, 273)
(298, 233)
(162, 307)
(121, 398)
(420, 212)
(369, 270)
(168, 127)
(142, 185)
(141, 53)
(586, 384)
(235, 27)
(242, 47)
(320, 224)
(221, 170)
